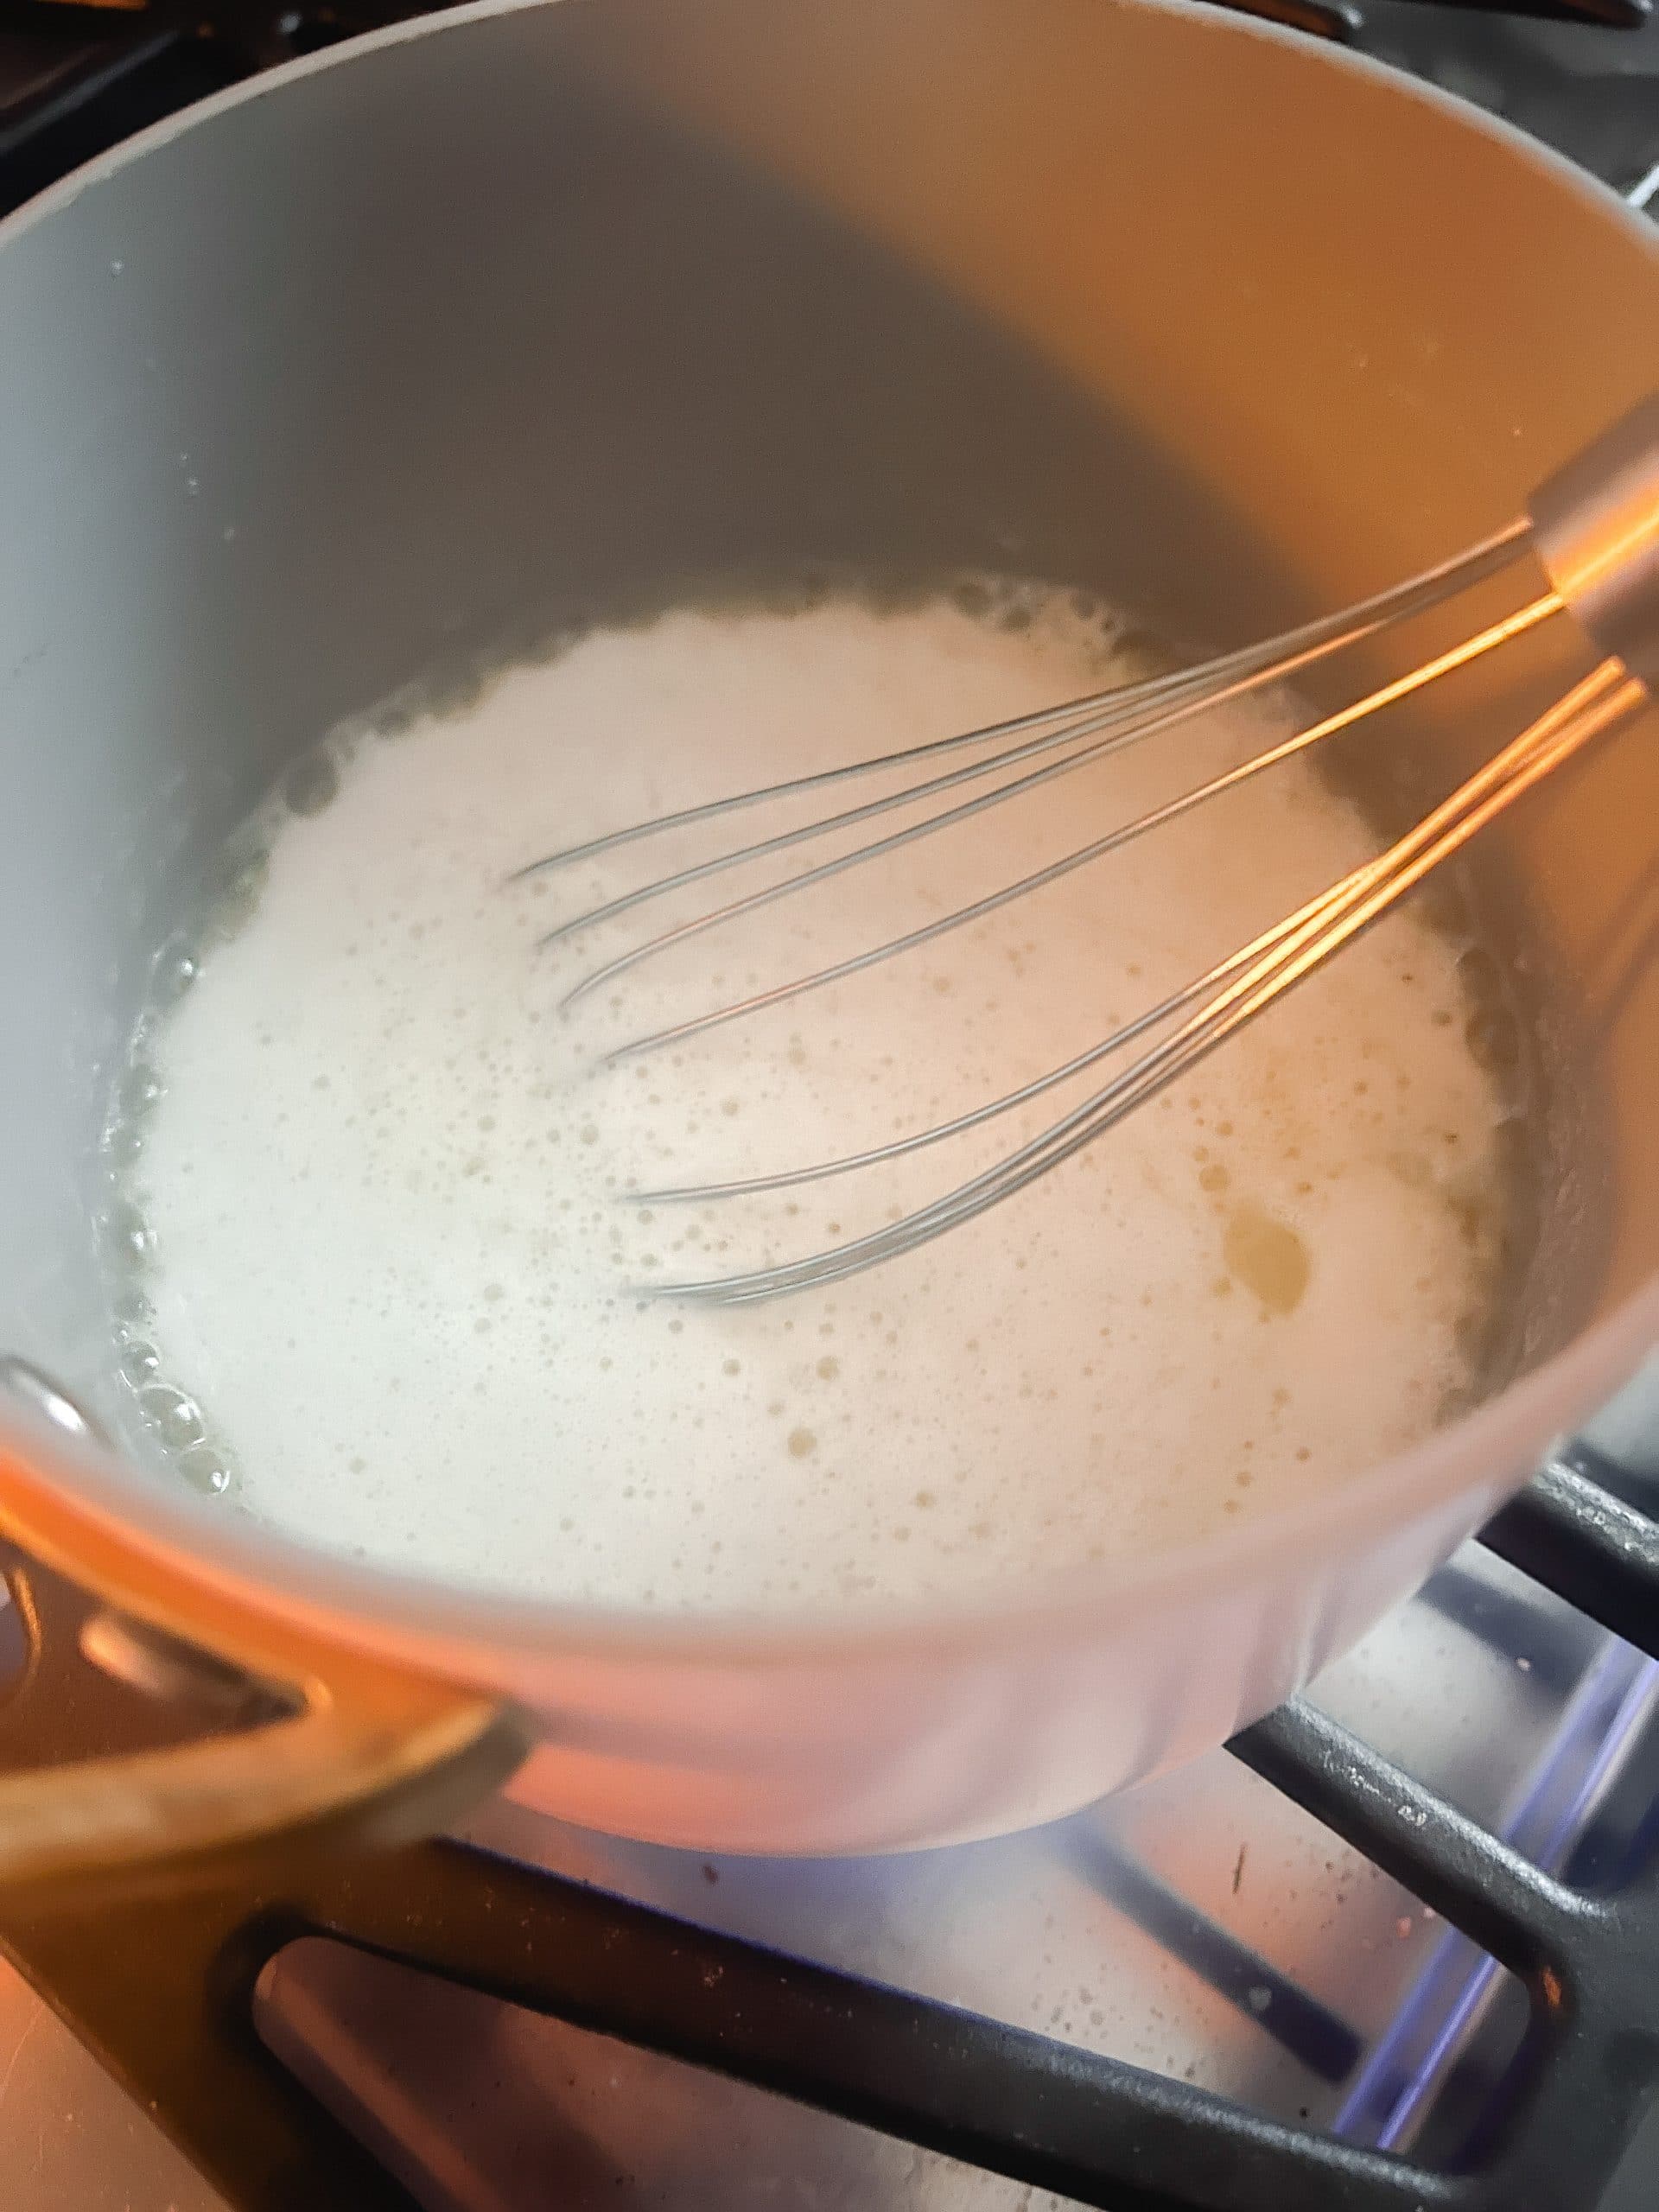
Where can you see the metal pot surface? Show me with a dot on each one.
(298, 397)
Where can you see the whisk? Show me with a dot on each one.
(1589, 538)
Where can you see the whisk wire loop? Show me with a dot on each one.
(1603, 700)
(1591, 534)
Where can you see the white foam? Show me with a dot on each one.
(382, 1179)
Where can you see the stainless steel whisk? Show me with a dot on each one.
(1591, 535)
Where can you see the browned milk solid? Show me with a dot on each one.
(383, 1185)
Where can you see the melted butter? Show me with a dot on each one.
(1268, 1257)
(376, 1191)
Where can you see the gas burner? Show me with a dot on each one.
(421, 2026)
(1401, 1949)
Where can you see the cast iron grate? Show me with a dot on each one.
(77, 76)
(161, 1985)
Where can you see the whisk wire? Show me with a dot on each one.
(898, 1147)
(1588, 534)
(1302, 946)
(1181, 695)
(1458, 657)
(1189, 692)
(1425, 588)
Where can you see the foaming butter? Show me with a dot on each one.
(381, 1192)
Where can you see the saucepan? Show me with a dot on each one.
(380, 371)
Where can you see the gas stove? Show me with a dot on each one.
(1397, 1947)
(76, 78)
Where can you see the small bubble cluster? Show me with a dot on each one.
(168, 1419)
(382, 1233)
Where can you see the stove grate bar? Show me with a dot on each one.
(1569, 1531)
(1043, 2112)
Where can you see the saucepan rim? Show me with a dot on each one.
(474, 1631)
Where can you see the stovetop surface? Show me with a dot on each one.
(1204, 1927)
(76, 78)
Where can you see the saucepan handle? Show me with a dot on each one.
(292, 1731)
